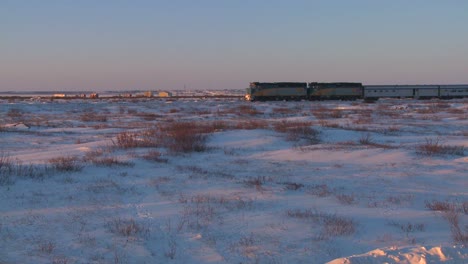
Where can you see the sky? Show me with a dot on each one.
(99, 45)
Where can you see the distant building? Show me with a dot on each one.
(165, 94)
(59, 95)
(94, 96)
(148, 94)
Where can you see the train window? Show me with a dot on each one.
(375, 91)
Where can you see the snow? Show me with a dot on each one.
(254, 195)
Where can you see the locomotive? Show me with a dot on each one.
(263, 91)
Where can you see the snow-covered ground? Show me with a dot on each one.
(228, 181)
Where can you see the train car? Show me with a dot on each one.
(276, 91)
(374, 92)
(453, 91)
(334, 91)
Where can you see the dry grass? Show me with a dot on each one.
(5, 162)
(252, 124)
(46, 247)
(346, 199)
(66, 164)
(155, 156)
(320, 190)
(127, 227)
(408, 228)
(146, 138)
(244, 110)
(110, 162)
(257, 182)
(148, 116)
(434, 147)
(15, 114)
(440, 206)
(197, 215)
(367, 140)
(282, 110)
(451, 212)
(298, 131)
(91, 116)
(332, 225)
(293, 186)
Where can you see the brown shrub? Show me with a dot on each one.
(127, 140)
(440, 205)
(185, 137)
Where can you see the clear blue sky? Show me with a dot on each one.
(222, 44)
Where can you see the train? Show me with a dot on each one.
(267, 91)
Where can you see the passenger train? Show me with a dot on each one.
(262, 91)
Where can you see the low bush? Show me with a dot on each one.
(451, 212)
(185, 137)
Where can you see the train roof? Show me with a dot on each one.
(421, 86)
(277, 84)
